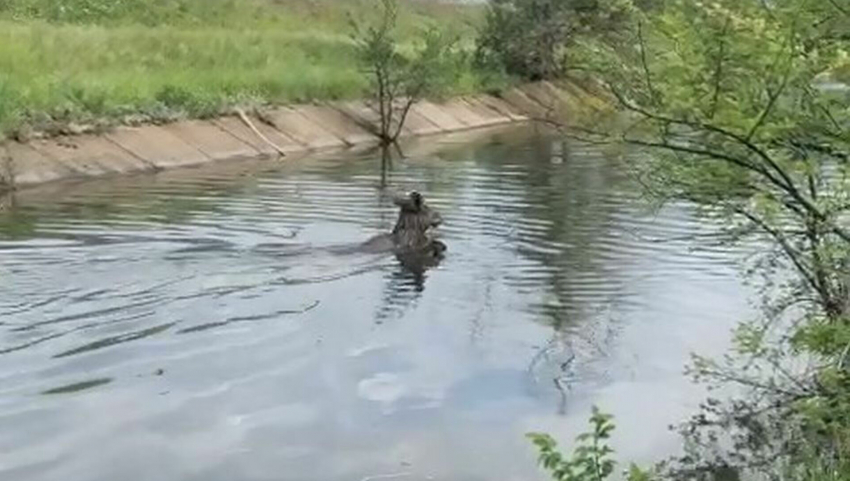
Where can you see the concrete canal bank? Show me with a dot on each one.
(280, 130)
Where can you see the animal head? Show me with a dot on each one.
(414, 204)
(415, 247)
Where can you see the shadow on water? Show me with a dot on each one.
(255, 318)
(78, 386)
(115, 340)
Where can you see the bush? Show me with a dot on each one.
(591, 459)
(532, 39)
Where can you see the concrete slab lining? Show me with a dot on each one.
(556, 102)
(458, 109)
(517, 99)
(303, 130)
(296, 130)
(360, 113)
(499, 105)
(215, 142)
(418, 124)
(438, 116)
(337, 124)
(489, 116)
(157, 146)
(29, 166)
(237, 128)
(369, 119)
(90, 155)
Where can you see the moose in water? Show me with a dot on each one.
(411, 238)
(412, 229)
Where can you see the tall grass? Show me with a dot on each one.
(101, 61)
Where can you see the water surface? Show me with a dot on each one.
(202, 325)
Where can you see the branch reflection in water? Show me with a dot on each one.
(414, 246)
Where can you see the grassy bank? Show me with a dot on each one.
(96, 62)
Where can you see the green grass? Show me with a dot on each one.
(105, 61)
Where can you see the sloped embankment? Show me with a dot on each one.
(295, 128)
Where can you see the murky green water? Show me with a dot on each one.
(193, 325)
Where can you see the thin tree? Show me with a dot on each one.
(397, 81)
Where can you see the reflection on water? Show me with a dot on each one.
(222, 324)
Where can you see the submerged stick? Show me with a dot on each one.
(259, 134)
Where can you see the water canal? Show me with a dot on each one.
(195, 325)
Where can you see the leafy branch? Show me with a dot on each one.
(591, 459)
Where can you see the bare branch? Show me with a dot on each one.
(403, 116)
(718, 69)
(783, 181)
(793, 255)
(646, 74)
(771, 102)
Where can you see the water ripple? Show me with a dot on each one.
(245, 291)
